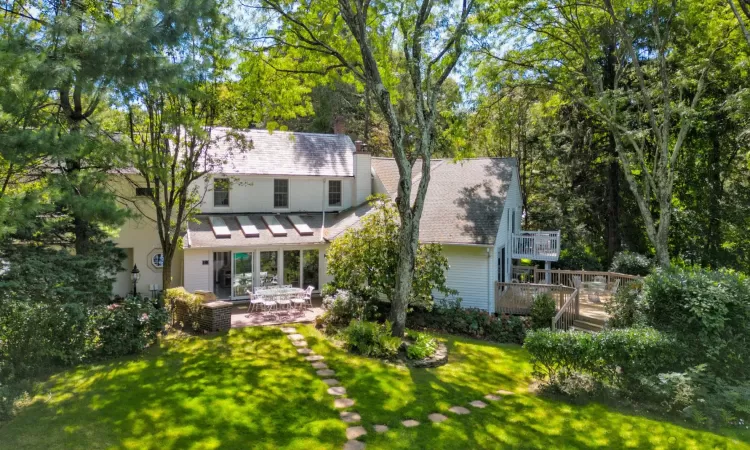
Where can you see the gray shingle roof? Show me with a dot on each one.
(260, 152)
(464, 201)
(200, 234)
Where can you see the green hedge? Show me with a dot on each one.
(614, 357)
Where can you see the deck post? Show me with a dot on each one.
(548, 272)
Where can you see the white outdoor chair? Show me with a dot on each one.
(269, 305)
(307, 296)
(576, 281)
(256, 303)
(283, 301)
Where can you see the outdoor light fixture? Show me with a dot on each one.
(135, 275)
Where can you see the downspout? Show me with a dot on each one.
(323, 207)
(489, 281)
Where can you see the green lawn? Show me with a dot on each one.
(250, 389)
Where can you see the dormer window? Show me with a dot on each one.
(334, 193)
(281, 193)
(221, 192)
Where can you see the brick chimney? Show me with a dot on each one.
(339, 125)
(362, 173)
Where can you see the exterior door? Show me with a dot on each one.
(242, 274)
(501, 266)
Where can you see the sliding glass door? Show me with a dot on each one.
(291, 268)
(310, 268)
(242, 271)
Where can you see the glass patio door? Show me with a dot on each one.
(242, 274)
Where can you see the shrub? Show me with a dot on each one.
(450, 317)
(578, 258)
(625, 308)
(710, 313)
(423, 347)
(543, 310)
(184, 305)
(370, 339)
(631, 263)
(614, 357)
(129, 327)
(340, 309)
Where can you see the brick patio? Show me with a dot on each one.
(256, 319)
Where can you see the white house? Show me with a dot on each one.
(270, 213)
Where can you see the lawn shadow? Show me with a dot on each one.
(245, 388)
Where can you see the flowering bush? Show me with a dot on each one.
(450, 317)
(128, 327)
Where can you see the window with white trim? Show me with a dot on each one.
(334, 192)
(221, 192)
(281, 193)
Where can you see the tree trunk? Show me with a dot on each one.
(613, 201)
(166, 274)
(715, 197)
(407, 250)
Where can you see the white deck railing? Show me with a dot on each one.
(536, 245)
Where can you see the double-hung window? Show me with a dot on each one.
(221, 192)
(281, 193)
(334, 193)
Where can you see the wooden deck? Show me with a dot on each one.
(581, 305)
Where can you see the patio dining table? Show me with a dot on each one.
(280, 292)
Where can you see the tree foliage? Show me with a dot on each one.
(363, 260)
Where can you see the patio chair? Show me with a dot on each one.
(283, 301)
(576, 281)
(307, 296)
(269, 305)
(256, 303)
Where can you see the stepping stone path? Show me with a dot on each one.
(459, 410)
(296, 337)
(354, 445)
(437, 417)
(304, 351)
(410, 423)
(381, 428)
(319, 365)
(326, 373)
(350, 416)
(312, 358)
(478, 404)
(288, 330)
(492, 397)
(299, 344)
(331, 381)
(337, 390)
(355, 432)
(503, 392)
(341, 403)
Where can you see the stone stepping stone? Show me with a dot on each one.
(437, 417)
(299, 343)
(381, 428)
(354, 445)
(503, 392)
(319, 365)
(331, 381)
(409, 423)
(478, 404)
(326, 373)
(313, 358)
(341, 403)
(295, 337)
(337, 390)
(304, 351)
(493, 397)
(350, 416)
(459, 410)
(355, 432)
(288, 330)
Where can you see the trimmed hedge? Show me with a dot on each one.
(614, 357)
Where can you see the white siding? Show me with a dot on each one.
(255, 194)
(362, 177)
(469, 274)
(512, 202)
(198, 276)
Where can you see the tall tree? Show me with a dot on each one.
(430, 48)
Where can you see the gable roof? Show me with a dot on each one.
(464, 202)
(262, 152)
